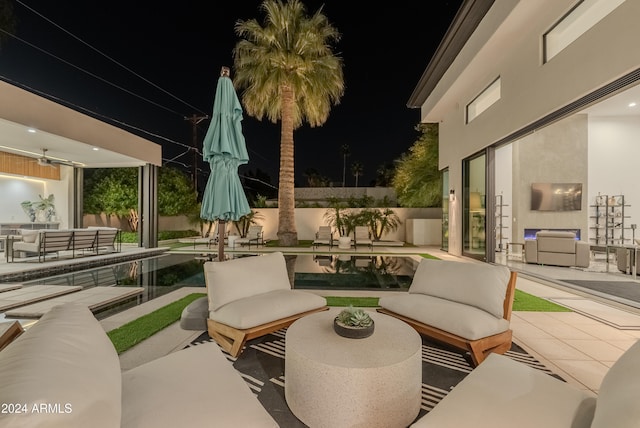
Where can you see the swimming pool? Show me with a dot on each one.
(159, 275)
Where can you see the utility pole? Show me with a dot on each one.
(195, 120)
(344, 150)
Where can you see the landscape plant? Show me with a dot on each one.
(380, 221)
(242, 224)
(418, 180)
(289, 74)
(114, 192)
(343, 219)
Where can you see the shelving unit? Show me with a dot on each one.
(500, 227)
(609, 221)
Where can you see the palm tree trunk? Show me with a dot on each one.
(287, 234)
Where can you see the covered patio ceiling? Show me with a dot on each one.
(30, 124)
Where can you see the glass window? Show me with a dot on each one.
(447, 196)
(581, 18)
(483, 101)
(474, 214)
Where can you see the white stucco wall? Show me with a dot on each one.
(614, 156)
(508, 44)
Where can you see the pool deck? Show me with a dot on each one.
(579, 346)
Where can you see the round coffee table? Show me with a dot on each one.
(332, 381)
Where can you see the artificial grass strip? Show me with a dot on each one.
(134, 332)
(522, 302)
(429, 256)
(357, 302)
(525, 302)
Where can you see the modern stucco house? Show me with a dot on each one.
(531, 93)
(44, 148)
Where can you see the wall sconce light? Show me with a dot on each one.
(452, 195)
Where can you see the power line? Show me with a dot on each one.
(90, 73)
(107, 56)
(129, 126)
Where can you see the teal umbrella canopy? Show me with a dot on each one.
(225, 150)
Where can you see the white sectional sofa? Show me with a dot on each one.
(502, 393)
(64, 372)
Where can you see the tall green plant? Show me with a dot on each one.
(342, 218)
(243, 223)
(289, 74)
(335, 217)
(381, 221)
(418, 181)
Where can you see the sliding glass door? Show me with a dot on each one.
(474, 211)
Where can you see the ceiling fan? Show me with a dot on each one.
(46, 161)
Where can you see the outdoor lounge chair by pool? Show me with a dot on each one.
(252, 296)
(361, 236)
(324, 236)
(254, 234)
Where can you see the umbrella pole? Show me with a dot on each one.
(221, 228)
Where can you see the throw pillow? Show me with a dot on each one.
(29, 235)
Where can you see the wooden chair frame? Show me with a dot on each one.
(480, 348)
(232, 339)
(10, 334)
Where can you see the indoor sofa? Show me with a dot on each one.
(556, 248)
(64, 372)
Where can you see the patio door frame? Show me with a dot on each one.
(475, 244)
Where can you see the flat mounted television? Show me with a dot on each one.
(556, 196)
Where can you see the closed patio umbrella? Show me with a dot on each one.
(225, 150)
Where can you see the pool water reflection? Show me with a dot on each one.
(353, 272)
(163, 274)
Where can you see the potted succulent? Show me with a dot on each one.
(353, 323)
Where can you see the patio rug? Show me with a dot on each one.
(261, 365)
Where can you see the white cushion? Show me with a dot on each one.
(29, 235)
(477, 284)
(239, 278)
(619, 392)
(195, 387)
(502, 393)
(263, 308)
(458, 318)
(64, 360)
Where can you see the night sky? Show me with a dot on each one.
(170, 57)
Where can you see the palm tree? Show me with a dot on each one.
(289, 74)
(344, 150)
(356, 170)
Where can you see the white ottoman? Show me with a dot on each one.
(332, 381)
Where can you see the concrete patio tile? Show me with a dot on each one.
(589, 372)
(556, 349)
(596, 349)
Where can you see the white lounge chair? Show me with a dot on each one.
(324, 236)
(254, 234)
(361, 236)
(250, 297)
